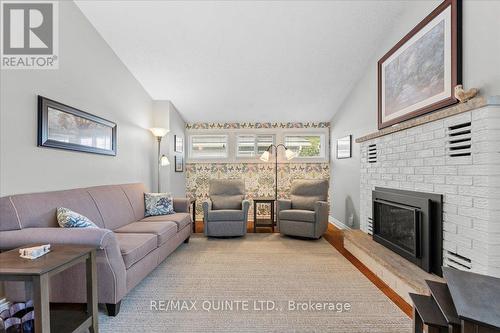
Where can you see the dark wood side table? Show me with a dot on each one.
(265, 223)
(36, 274)
(192, 202)
(467, 303)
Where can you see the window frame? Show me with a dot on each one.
(278, 135)
(255, 144)
(208, 158)
(323, 144)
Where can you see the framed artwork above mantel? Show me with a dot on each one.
(419, 74)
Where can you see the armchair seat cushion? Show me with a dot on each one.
(134, 247)
(298, 215)
(225, 215)
(163, 230)
(181, 219)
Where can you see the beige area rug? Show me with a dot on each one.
(254, 284)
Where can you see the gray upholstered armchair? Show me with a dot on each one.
(226, 212)
(305, 214)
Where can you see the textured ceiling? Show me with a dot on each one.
(246, 60)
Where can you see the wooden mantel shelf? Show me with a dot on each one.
(475, 103)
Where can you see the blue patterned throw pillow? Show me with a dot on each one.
(158, 204)
(70, 219)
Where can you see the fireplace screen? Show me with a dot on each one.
(398, 225)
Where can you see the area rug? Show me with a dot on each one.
(259, 283)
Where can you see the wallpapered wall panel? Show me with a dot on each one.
(258, 177)
(220, 126)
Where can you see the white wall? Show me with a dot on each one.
(177, 181)
(161, 119)
(92, 78)
(166, 115)
(358, 113)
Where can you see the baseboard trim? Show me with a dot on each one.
(338, 223)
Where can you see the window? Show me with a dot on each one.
(252, 145)
(246, 146)
(208, 146)
(306, 146)
(263, 142)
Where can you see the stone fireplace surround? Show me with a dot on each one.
(454, 152)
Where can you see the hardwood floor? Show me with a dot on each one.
(335, 237)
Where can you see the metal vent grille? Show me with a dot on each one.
(372, 153)
(457, 261)
(370, 226)
(459, 140)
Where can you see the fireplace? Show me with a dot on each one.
(410, 224)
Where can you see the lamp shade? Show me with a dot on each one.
(265, 156)
(158, 131)
(289, 154)
(164, 160)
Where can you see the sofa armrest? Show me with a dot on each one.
(96, 237)
(245, 206)
(322, 209)
(110, 266)
(207, 206)
(181, 205)
(284, 204)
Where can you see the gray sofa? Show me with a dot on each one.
(305, 214)
(226, 212)
(129, 245)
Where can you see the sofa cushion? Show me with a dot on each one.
(113, 204)
(297, 215)
(38, 210)
(181, 219)
(163, 230)
(135, 194)
(225, 215)
(9, 219)
(134, 247)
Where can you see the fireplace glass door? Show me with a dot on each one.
(398, 226)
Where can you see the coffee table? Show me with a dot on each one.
(36, 274)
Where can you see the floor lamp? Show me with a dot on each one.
(159, 133)
(265, 157)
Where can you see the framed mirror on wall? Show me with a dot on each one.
(64, 127)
